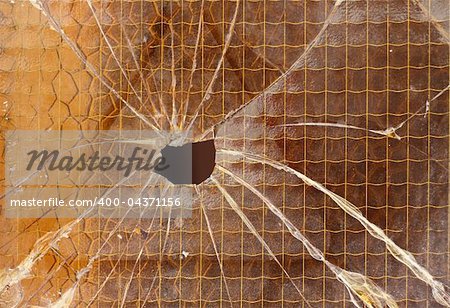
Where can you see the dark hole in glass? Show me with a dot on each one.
(191, 163)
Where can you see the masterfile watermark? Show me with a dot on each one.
(140, 159)
(93, 174)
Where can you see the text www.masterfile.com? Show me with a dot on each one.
(102, 202)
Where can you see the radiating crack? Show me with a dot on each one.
(209, 89)
(389, 132)
(253, 230)
(163, 112)
(42, 7)
(9, 277)
(361, 286)
(124, 74)
(279, 81)
(211, 235)
(194, 63)
(439, 289)
(433, 20)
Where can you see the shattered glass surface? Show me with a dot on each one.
(331, 124)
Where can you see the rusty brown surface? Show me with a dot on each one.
(367, 64)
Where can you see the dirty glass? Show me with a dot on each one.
(330, 123)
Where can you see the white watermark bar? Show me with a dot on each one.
(71, 174)
(128, 202)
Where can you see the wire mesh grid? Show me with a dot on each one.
(351, 94)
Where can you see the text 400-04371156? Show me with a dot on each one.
(157, 202)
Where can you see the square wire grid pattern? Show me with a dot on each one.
(350, 93)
